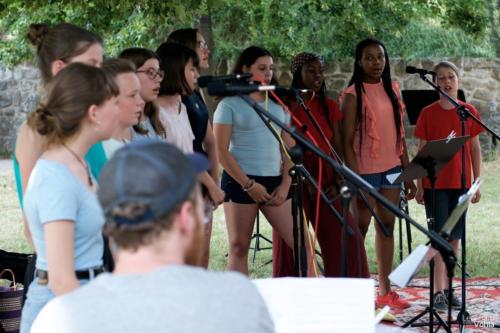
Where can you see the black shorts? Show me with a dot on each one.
(445, 201)
(234, 191)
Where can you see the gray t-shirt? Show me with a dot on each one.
(252, 144)
(171, 299)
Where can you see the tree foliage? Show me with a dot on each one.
(410, 28)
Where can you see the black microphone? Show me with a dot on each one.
(221, 88)
(292, 91)
(203, 81)
(421, 71)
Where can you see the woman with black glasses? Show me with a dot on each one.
(150, 76)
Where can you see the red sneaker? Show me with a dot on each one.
(392, 300)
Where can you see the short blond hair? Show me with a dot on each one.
(447, 64)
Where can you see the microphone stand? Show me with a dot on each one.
(353, 181)
(309, 114)
(463, 317)
(346, 195)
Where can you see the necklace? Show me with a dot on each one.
(83, 163)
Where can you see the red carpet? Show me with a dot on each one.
(483, 303)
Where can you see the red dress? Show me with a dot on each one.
(329, 230)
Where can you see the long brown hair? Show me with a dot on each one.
(63, 41)
(186, 37)
(173, 59)
(70, 94)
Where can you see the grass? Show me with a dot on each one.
(483, 228)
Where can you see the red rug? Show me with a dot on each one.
(483, 303)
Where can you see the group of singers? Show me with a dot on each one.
(89, 108)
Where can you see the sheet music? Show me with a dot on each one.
(405, 272)
(300, 305)
(463, 203)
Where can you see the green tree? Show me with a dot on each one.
(409, 28)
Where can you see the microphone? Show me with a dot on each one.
(221, 88)
(291, 91)
(203, 81)
(421, 71)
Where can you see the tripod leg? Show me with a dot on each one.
(414, 319)
(408, 227)
(408, 236)
(400, 222)
(402, 205)
(463, 315)
(256, 246)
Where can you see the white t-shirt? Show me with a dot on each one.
(111, 145)
(178, 128)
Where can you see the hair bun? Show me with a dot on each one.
(37, 33)
(42, 120)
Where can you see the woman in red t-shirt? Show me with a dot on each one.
(308, 73)
(438, 121)
(375, 149)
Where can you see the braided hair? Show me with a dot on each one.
(357, 80)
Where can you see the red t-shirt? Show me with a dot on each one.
(325, 120)
(435, 123)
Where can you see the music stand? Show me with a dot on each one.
(405, 272)
(430, 160)
(416, 100)
(458, 212)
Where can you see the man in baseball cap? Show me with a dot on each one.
(154, 210)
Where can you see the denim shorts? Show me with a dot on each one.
(379, 180)
(234, 191)
(38, 296)
(445, 200)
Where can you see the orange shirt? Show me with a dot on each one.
(380, 149)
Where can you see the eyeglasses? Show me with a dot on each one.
(153, 74)
(202, 44)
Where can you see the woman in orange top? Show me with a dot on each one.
(308, 72)
(374, 147)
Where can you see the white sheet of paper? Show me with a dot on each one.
(392, 177)
(300, 305)
(403, 274)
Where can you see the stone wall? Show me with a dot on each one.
(18, 96)
(480, 81)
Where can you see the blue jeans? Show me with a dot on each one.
(38, 295)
